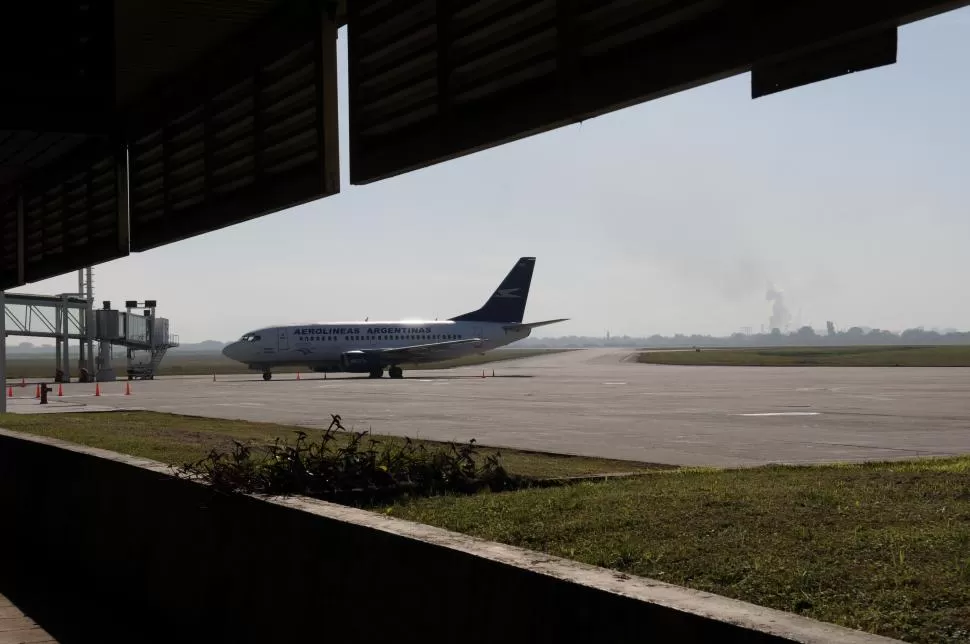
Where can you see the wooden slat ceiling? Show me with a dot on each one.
(434, 79)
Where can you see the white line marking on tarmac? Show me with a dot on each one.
(784, 413)
(242, 404)
(614, 383)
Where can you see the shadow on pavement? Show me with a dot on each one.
(67, 616)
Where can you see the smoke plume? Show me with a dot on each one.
(780, 317)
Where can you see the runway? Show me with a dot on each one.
(592, 402)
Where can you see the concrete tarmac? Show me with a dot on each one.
(595, 403)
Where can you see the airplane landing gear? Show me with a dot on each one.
(395, 372)
(377, 373)
(267, 375)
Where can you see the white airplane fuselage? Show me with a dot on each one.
(320, 346)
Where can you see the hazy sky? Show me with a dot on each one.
(852, 196)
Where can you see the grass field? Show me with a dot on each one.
(945, 356)
(881, 547)
(203, 364)
(175, 440)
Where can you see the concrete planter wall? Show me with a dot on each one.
(103, 547)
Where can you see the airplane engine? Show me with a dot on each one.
(359, 362)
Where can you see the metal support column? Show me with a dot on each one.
(89, 323)
(82, 322)
(66, 331)
(58, 321)
(3, 352)
(106, 371)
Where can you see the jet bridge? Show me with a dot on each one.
(145, 337)
(63, 317)
(70, 317)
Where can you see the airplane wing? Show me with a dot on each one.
(418, 352)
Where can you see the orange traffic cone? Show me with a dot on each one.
(297, 375)
(10, 391)
(37, 393)
(97, 389)
(60, 390)
(127, 388)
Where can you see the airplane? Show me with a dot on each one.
(371, 347)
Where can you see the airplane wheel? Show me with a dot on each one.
(377, 373)
(396, 372)
(267, 375)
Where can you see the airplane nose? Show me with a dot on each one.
(228, 350)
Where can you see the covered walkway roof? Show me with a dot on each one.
(128, 124)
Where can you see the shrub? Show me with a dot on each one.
(351, 468)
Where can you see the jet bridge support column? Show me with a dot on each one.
(58, 349)
(105, 370)
(66, 344)
(86, 320)
(80, 291)
(89, 331)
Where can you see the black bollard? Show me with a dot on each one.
(44, 389)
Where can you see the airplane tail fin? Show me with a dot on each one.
(507, 303)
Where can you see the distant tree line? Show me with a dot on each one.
(803, 337)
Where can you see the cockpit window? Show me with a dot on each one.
(250, 337)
